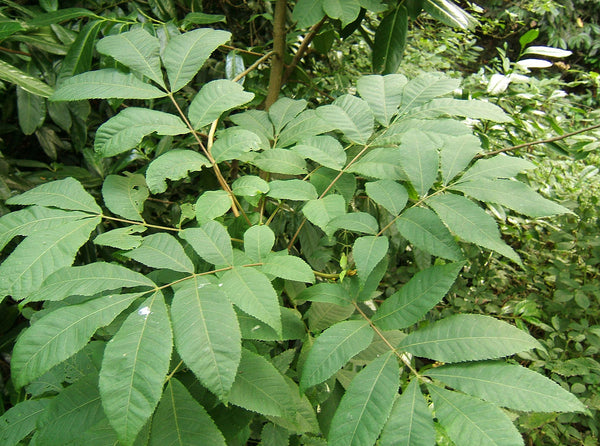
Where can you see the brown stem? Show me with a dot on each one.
(139, 223)
(253, 66)
(541, 141)
(8, 50)
(302, 49)
(229, 47)
(279, 50)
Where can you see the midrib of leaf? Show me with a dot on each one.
(484, 234)
(169, 256)
(131, 199)
(417, 297)
(177, 428)
(46, 250)
(439, 341)
(141, 55)
(183, 61)
(351, 121)
(388, 45)
(69, 199)
(425, 229)
(411, 416)
(216, 247)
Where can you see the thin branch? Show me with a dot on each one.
(279, 49)
(8, 50)
(229, 47)
(534, 143)
(253, 66)
(302, 49)
(139, 223)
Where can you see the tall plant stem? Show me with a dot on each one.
(541, 141)
(276, 75)
(302, 49)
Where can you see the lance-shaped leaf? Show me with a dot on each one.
(215, 98)
(383, 94)
(471, 223)
(185, 54)
(250, 186)
(20, 420)
(63, 194)
(125, 195)
(126, 130)
(279, 264)
(470, 421)
(258, 242)
(31, 111)
(291, 321)
(424, 88)
(70, 413)
(281, 161)
(390, 40)
(233, 143)
(351, 115)
(258, 122)
(410, 422)
(325, 150)
(252, 292)
(162, 250)
(284, 110)
(382, 163)
(174, 165)
(457, 107)
(420, 160)
(457, 152)
(321, 211)
(327, 292)
(180, 420)
(467, 337)
(136, 49)
(368, 252)
(41, 254)
(366, 404)
(260, 387)
(211, 242)
(34, 219)
(80, 54)
(508, 385)
(303, 126)
(33, 85)
(499, 166)
(207, 335)
(334, 348)
(62, 333)
(448, 13)
(512, 194)
(322, 315)
(121, 238)
(389, 194)
(212, 204)
(88, 280)
(105, 84)
(61, 15)
(422, 292)
(355, 222)
(424, 229)
(134, 368)
(292, 189)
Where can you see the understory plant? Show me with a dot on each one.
(253, 311)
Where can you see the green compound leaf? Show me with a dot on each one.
(136, 49)
(332, 293)
(121, 238)
(20, 420)
(321, 211)
(125, 195)
(325, 150)
(422, 292)
(258, 122)
(508, 385)
(134, 368)
(420, 160)
(322, 315)
(279, 264)
(41, 254)
(410, 422)
(126, 130)
(456, 154)
(367, 403)
(212, 204)
(62, 333)
(424, 229)
(207, 335)
(424, 88)
(33, 85)
(88, 280)
(62, 15)
(355, 222)
(259, 387)
(284, 110)
(291, 321)
(303, 126)
(389, 194)
(185, 54)
(368, 252)
(381, 163)
(512, 194)
(390, 40)
(458, 107)
(351, 115)
(211, 242)
(105, 84)
(467, 337)
(174, 165)
(472, 422)
(383, 94)
(448, 13)
(63, 194)
(471, 223)
(297, 190)
(180, 420)
(252, 292)
(215, 98)
(345, 10)
(162, 251)
(308, 12)
(233, 142)
(281, 161)
(500, 166)
(258, 242)
(80, 53)
(250, 186)
(31, 111)
(333, 349)
(34, 219)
